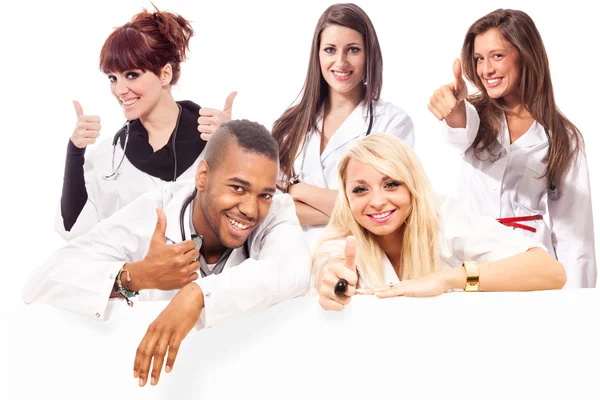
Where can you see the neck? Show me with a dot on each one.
(212, 249)
(161, 120)
(515, 106)
(392, 246)
(344, 102)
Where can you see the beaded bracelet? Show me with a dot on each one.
(126, 294)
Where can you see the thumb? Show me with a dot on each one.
(229, 102)
(161, 226)
(350, 253)
(459, 84)
(78, 108)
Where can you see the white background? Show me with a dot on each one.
(49, 56)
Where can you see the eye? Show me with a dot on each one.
(329, 50)
(478, 58)
(359, 190)
(392, 184)
(354, 50)
(112, 78)
(131, 75)
(497, 56)
(237, 189)
(267, 196)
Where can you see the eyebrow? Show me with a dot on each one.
(245, 183)
(348, 45)
(363, 182)
(491, 51)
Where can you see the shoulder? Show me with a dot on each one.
(381, 107)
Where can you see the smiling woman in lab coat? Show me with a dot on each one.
(339, 104)
(524, 160)
(161, 140)
(412, 243)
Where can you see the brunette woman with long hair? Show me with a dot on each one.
(525, 161)
(338, 105)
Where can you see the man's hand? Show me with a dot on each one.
(166, 332)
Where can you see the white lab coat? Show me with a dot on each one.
(509, 186)
(464, 236)
(320, 170)
(107, 196)
(80, 276)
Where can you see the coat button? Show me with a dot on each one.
(207, 294)
(98, 315)
(112, 277)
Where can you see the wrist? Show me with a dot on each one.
(194, 293)
(455, 278)
(137, 282)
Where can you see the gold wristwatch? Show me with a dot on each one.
(472, 276)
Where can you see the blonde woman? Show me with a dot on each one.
(390, 235)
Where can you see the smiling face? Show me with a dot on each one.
(139, 92)
(236, 195)
(498, 65)
(342, 59)
(378, 203)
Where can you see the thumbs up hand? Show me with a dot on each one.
(446, 100)
(334, 274)
(87, 128)
(211, 119)
(166, 266)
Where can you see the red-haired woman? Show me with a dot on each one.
(161, 139)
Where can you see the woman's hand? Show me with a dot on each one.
(446, 100)
(87, 128)
(425, 286)
(332, 273)
(210, 119)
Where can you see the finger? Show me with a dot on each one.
(191, 255)
(383, 293)
(184, 247)
(161, 227)
(173, 350)
(209, 120)
(159, 357)
(350, 253)
(209, 112)
(205, 136)
(435, 112)
(78, 108)
(329, 304)
(209, 129)
(90, 134)
(194, 275)
(143, 356)
(89, 118)
(459, 82)
(90, 126)
(340, 271)
(229, 102)
(87, 141)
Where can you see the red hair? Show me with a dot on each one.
(148, 42)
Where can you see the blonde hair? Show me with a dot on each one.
(420, 245)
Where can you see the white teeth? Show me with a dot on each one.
(381, 216)
(238, 224)
(129, 102)
(492, 81)
(341, 74)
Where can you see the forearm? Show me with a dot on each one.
(309, 216)
(532, 270)
(74, 193)
(458, 117)
(318, 198)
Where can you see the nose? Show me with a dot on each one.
(341, 59)
(120, 87)
(488, 68)
(378, 199)
(249, 208)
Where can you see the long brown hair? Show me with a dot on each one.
(535, 89)
(291, 128)
(148, 42)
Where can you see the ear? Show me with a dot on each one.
(202, 176)
(166, 75)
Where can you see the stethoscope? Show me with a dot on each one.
(184, 207)
(552, 189)
(298, 177)
(125, 129)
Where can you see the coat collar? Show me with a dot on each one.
(354, 126)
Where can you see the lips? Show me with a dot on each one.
(239, 225)
(341, 75)
(493, 82)
(381, 217)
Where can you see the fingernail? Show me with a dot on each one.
(141, 382)
(168, 369)
(153, 381)
(135, 374)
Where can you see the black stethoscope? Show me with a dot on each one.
(125, 130)
(184, 207)
(297, 178)
(552, 189)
